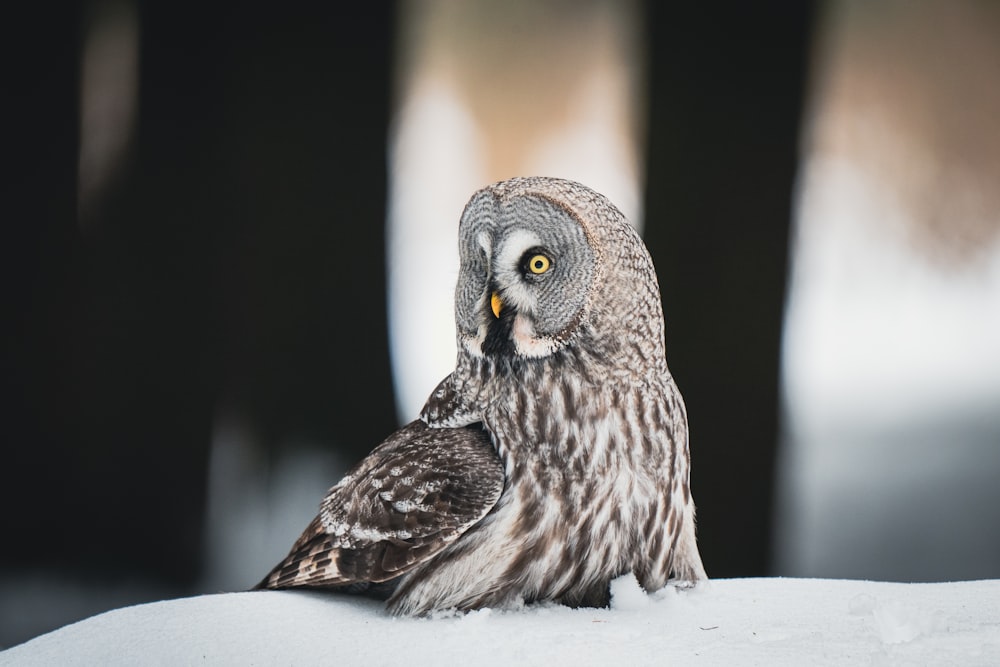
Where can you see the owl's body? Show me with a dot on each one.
(554, 458)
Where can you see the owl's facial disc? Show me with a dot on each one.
(525, 278)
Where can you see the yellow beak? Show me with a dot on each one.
(496, 304)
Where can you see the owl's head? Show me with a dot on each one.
(544, 261)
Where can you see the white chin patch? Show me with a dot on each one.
(525, 341)
(523, 335)
(474, 344)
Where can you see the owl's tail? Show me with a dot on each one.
(311, 562)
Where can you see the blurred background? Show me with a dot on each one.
(229, 257)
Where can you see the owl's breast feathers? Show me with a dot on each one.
(594, 483)
(596, 486)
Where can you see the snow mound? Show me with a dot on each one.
(734, 621)
(627, 594)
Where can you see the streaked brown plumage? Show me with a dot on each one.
(554, 458)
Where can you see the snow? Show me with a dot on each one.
(724, 622)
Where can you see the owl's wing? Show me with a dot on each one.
(447, 407)
(413, 495)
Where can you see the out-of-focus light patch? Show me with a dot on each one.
(435, 165)
(593, 146)
(891, 382)
(257, 508)
(108, 99)
(872, 323)
(891, 364)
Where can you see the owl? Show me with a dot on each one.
(554, 458)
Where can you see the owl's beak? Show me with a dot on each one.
(496, 304)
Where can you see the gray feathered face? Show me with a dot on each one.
(526, 274)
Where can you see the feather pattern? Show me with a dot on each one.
(415, 493)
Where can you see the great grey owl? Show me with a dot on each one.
(554, 458)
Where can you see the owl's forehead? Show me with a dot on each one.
(492, 223)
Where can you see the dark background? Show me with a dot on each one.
(238, 261)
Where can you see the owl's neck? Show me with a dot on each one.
(481, 382)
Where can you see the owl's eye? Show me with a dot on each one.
(538, 263)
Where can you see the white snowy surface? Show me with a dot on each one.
(726, 622)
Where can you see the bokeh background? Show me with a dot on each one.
(228, 259)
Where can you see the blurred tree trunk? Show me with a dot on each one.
(238, 258)
(726, 101)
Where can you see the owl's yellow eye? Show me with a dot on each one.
(539, 264)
